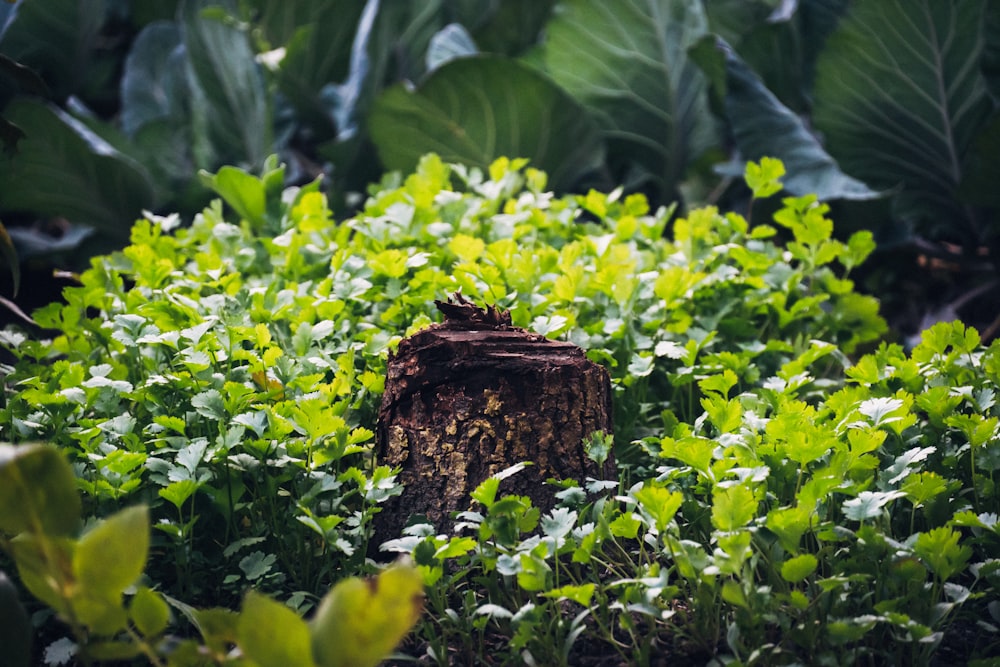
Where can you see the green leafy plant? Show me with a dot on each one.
(330, 85)
(782, 495)
(86, 579)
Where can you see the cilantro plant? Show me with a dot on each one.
(782, 496)
(87, 578)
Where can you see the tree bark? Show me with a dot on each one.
(474, 395)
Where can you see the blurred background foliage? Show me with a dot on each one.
(887, 109)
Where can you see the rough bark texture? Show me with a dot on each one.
(471, 396)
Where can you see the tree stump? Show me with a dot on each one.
(473, 395)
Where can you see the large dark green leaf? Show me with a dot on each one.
(474, 110)
(763, 126)
(153, 85)
(64, 169)
(900, 97)
(981, 169)
(732, 20)
(348, 101)
(55, 38)
(400, 37)
(816, 19)
(144, 13)
(779, 41)
(229, 105)
(25, 78)
(155, 111)
(510, 28)
(627, 62)
(317, 38)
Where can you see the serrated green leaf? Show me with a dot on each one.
(256, 564)
(922, 486)
(764, 177)
(659, 503)
(726, 415)
(693, 451)
(719, 383)
(486, 491)
(243, 191)
(455, 547)
(797, 568)
(940, 549)
(534, 573)
(209, 404)
(860, 245)
(733, 507)
(581, 594)
(625, 525)
(178, 492)
(789, 524)
(882, 410)
(559, 522)
(467, 248)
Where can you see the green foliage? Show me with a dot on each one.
(84, 579)
(502, 107)
(359, 622)
(668, 97)
(112, 188)
(909, 88)
(628, 64)
(782, 497)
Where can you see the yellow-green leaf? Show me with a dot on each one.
(798, 568)
(149, 612)
(272, 635)
(733, 507)
(110, 557)
(360, 621)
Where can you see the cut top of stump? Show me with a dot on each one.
(470, 340)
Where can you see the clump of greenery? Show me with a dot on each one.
(776, 502)
(85, 580)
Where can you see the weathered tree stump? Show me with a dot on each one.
(473, 395)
